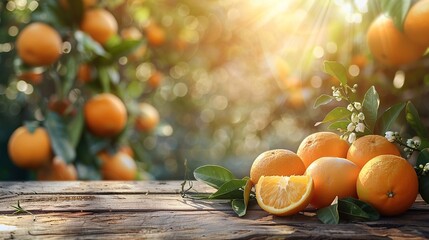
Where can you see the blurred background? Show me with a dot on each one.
(229, 79)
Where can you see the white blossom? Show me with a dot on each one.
(361, 116)
(351, 127)
(350, 107)
(360, 127)
(352, 137)
(390, 136)
(354, 118)
(357, 105)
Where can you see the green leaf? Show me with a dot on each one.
(424, 187)
(354, 209)
(59, 137)
(397, 10)
(336, 70)
(88, 46)
(335, 114)
(322, 100)
(232, 189)
(338, 125)
(104, 77)
(213, 175)
(75, 128)
(386, 120)
(370, 105)
(122, 48)
(67, 82)
(423, 157)
(329, 215)
(239, 207)
(414, 121)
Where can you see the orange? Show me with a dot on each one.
(31, 77)
(36, 50)
(105, 115)
(100, 24)
(57, 170)
(390, 46)
(389, 183)
(416, 26)
(367, 147)
(359, 60)
(147, 118)
(321, 144)
(282, 195)
(277, 162)
(155, 79)
(117, 166)
(155, 34)
(332, 177)
(84, 73)
(30, 149)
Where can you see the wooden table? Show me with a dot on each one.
(156, 210)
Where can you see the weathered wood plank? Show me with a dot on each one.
(96, 187)
(191, 225)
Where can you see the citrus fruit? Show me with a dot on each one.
(321, 144)
(368, 147)
(415, 25)
(277, 162)
(30, 149)
(105, 115)
(147, 118)
(283, 195)
(57, 170)
(36, 50)
(155, 34)
(117, 166)
(31, 77)
(389, 183)
(84, 73)
(100, 24)
(389, 45)
(127, 150)
(332, 177)
(155, 79)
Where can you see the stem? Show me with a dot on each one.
(405, 145)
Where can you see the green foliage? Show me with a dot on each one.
(350, 209)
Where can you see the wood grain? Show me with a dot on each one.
(156, 210)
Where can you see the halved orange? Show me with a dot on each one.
(282, 195)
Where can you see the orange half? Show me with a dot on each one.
(282, 195)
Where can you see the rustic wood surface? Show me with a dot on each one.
(156, 210)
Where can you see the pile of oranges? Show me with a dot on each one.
(393, 47)
(326, 167)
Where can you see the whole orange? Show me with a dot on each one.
(117, 166)
(31, 77)
(321, 144)
(30, 149)
(277, 162)
(36, 50)
(389, 183)
(105, 115)
(57, 170)
(147, 118)
(84, 73)
(100, 24)
(332, 177)
(416, 26)
(367, 147)
(389, 45)
(155, 34)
